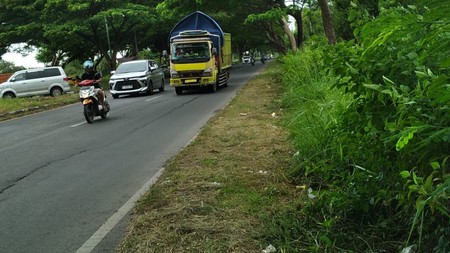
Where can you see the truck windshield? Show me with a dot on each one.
(190, 52)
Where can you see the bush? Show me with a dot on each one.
(370, 122)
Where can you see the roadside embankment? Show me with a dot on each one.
(220, 193)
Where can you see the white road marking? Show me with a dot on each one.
(152, 98)
(79, 124)
(103, 231)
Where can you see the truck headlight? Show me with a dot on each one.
(173, 74)
(207, 72)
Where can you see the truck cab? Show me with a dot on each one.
(200, 54)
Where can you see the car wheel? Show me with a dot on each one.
(162, 86)
(150, 89)
(56, 91)
(115, 96)
(179, 90)
(9, 95)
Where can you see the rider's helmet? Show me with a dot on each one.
(88, 65)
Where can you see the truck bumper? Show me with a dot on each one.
(187, 82)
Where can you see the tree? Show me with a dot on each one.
(84, 29)
(296, 11)
(327, 23)
(69, 30)
(8, 67)
(17, 23)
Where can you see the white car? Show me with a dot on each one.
(134, 77)
(246, 59)
(38, 81)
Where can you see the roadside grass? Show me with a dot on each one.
(223, 192)
(11, 108)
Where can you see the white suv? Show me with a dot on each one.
(32, 82)
(134, 77)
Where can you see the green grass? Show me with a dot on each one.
(10, 108)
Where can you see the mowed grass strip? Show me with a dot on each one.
(12, 108)
(218, 194)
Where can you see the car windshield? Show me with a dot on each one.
(132, 67)
(190, 52)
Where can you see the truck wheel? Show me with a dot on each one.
(179, 90)
(213, 88)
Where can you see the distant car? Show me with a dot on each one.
(135, 77)
(246, 59)
(38, 81)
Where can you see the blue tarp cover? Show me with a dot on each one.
(199, 21)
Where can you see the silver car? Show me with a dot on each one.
(32, 82)
(135, 77)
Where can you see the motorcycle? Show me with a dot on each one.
(90, 101)
(88, 97)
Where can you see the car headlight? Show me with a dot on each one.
(173, 74)
(207, 72)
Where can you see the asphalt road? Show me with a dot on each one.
(67, 186)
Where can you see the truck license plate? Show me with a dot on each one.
(190, 81)
(127, 87)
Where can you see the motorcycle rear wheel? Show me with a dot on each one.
(89, 113)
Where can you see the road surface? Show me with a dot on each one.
(67, 186)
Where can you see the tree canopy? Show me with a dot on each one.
(69, 30)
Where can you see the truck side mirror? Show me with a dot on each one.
(214, 51)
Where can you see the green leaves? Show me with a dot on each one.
(399, 81)
(406, 136)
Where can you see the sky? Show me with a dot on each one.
(27, 61)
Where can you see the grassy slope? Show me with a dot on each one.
(220, 193)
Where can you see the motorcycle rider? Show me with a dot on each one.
(91, 74)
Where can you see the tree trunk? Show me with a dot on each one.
(299, 19)
(327, 24)
(297, 15)
(275, 40)
(289, 33)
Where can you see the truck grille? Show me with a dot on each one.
(191, 74)
(121, 84)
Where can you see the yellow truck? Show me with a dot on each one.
(200, 54)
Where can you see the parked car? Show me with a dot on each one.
(134, 77)
(246, 59)
(38, 81)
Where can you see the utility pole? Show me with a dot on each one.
(107, 36)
